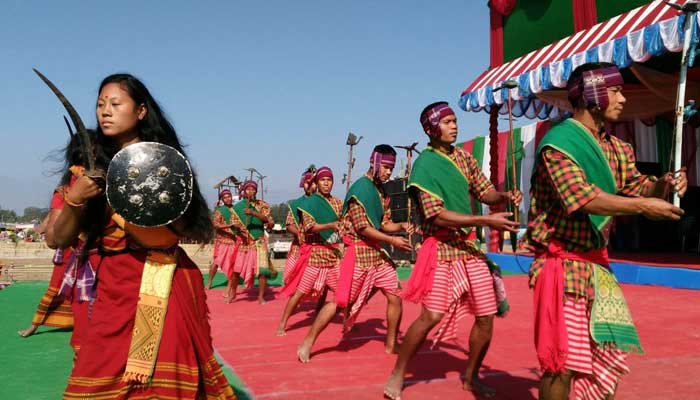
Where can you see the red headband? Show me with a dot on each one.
(248, 184)
(224, 193)
(593, 86)
(430, 118)
(377, 159)
(306, 177)
(323, 172)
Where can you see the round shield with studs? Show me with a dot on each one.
(149, 184)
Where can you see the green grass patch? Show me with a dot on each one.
(220, 281)
(37, 367)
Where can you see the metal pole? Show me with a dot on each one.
(408, 200)
(350, 164)
(262, 187)
(513, 174)
(680, 100)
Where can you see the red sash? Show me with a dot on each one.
(421, 280)
(347, 269)
(551, 340)
(291, 282)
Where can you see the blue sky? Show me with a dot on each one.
(272, 85)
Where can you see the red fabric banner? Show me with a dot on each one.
(496, 38)
(503, 7)
(585, 14)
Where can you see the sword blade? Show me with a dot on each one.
(85, 142)
(70, 129)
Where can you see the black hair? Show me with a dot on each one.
(154, 127)
(67, 156)
(384, 149)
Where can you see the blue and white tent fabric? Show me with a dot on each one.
(635, 36)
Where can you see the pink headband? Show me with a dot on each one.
(224, 193)
(430, 118)
(248, 184)
(323, 172)
(377, 159)
(306, 177)
(593, 86)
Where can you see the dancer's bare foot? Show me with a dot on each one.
(261, 300)
(304, 352)
(281, 331)
(391, 348)
(28, 332)
(393, 387)
(478, 388)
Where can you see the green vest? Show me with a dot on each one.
(366, 194)
(435, 173)
(576, 142)
(254, 225)
(322, 212)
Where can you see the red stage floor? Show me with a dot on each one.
(356, 367)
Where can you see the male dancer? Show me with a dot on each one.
(293, 271)
(225, 241)
(323, 232)
(451, 276)
(366, 266)
(583, 177)
(252, 260)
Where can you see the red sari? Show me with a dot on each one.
(185, 366)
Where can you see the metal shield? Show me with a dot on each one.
(149, 184)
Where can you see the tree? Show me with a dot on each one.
(34, 214)
(279, 213)
(8, 216)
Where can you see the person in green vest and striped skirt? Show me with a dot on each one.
(252, 259)
(226, 241)
(582, 178)
(323, 232)
(451, 277)
(365, 266)
(294, 270)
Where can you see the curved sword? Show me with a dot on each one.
(83, 136)
(70, 129)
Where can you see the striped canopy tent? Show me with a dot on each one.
(635, 36)
(643, 38)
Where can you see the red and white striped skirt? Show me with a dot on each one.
(225, 257)
(291, 259)
(382, 277)
(246, 264)
(599, 370)
(315, 279)
(459, 288)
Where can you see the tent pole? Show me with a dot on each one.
(680, 101)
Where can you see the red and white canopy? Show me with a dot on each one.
(634, 36)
